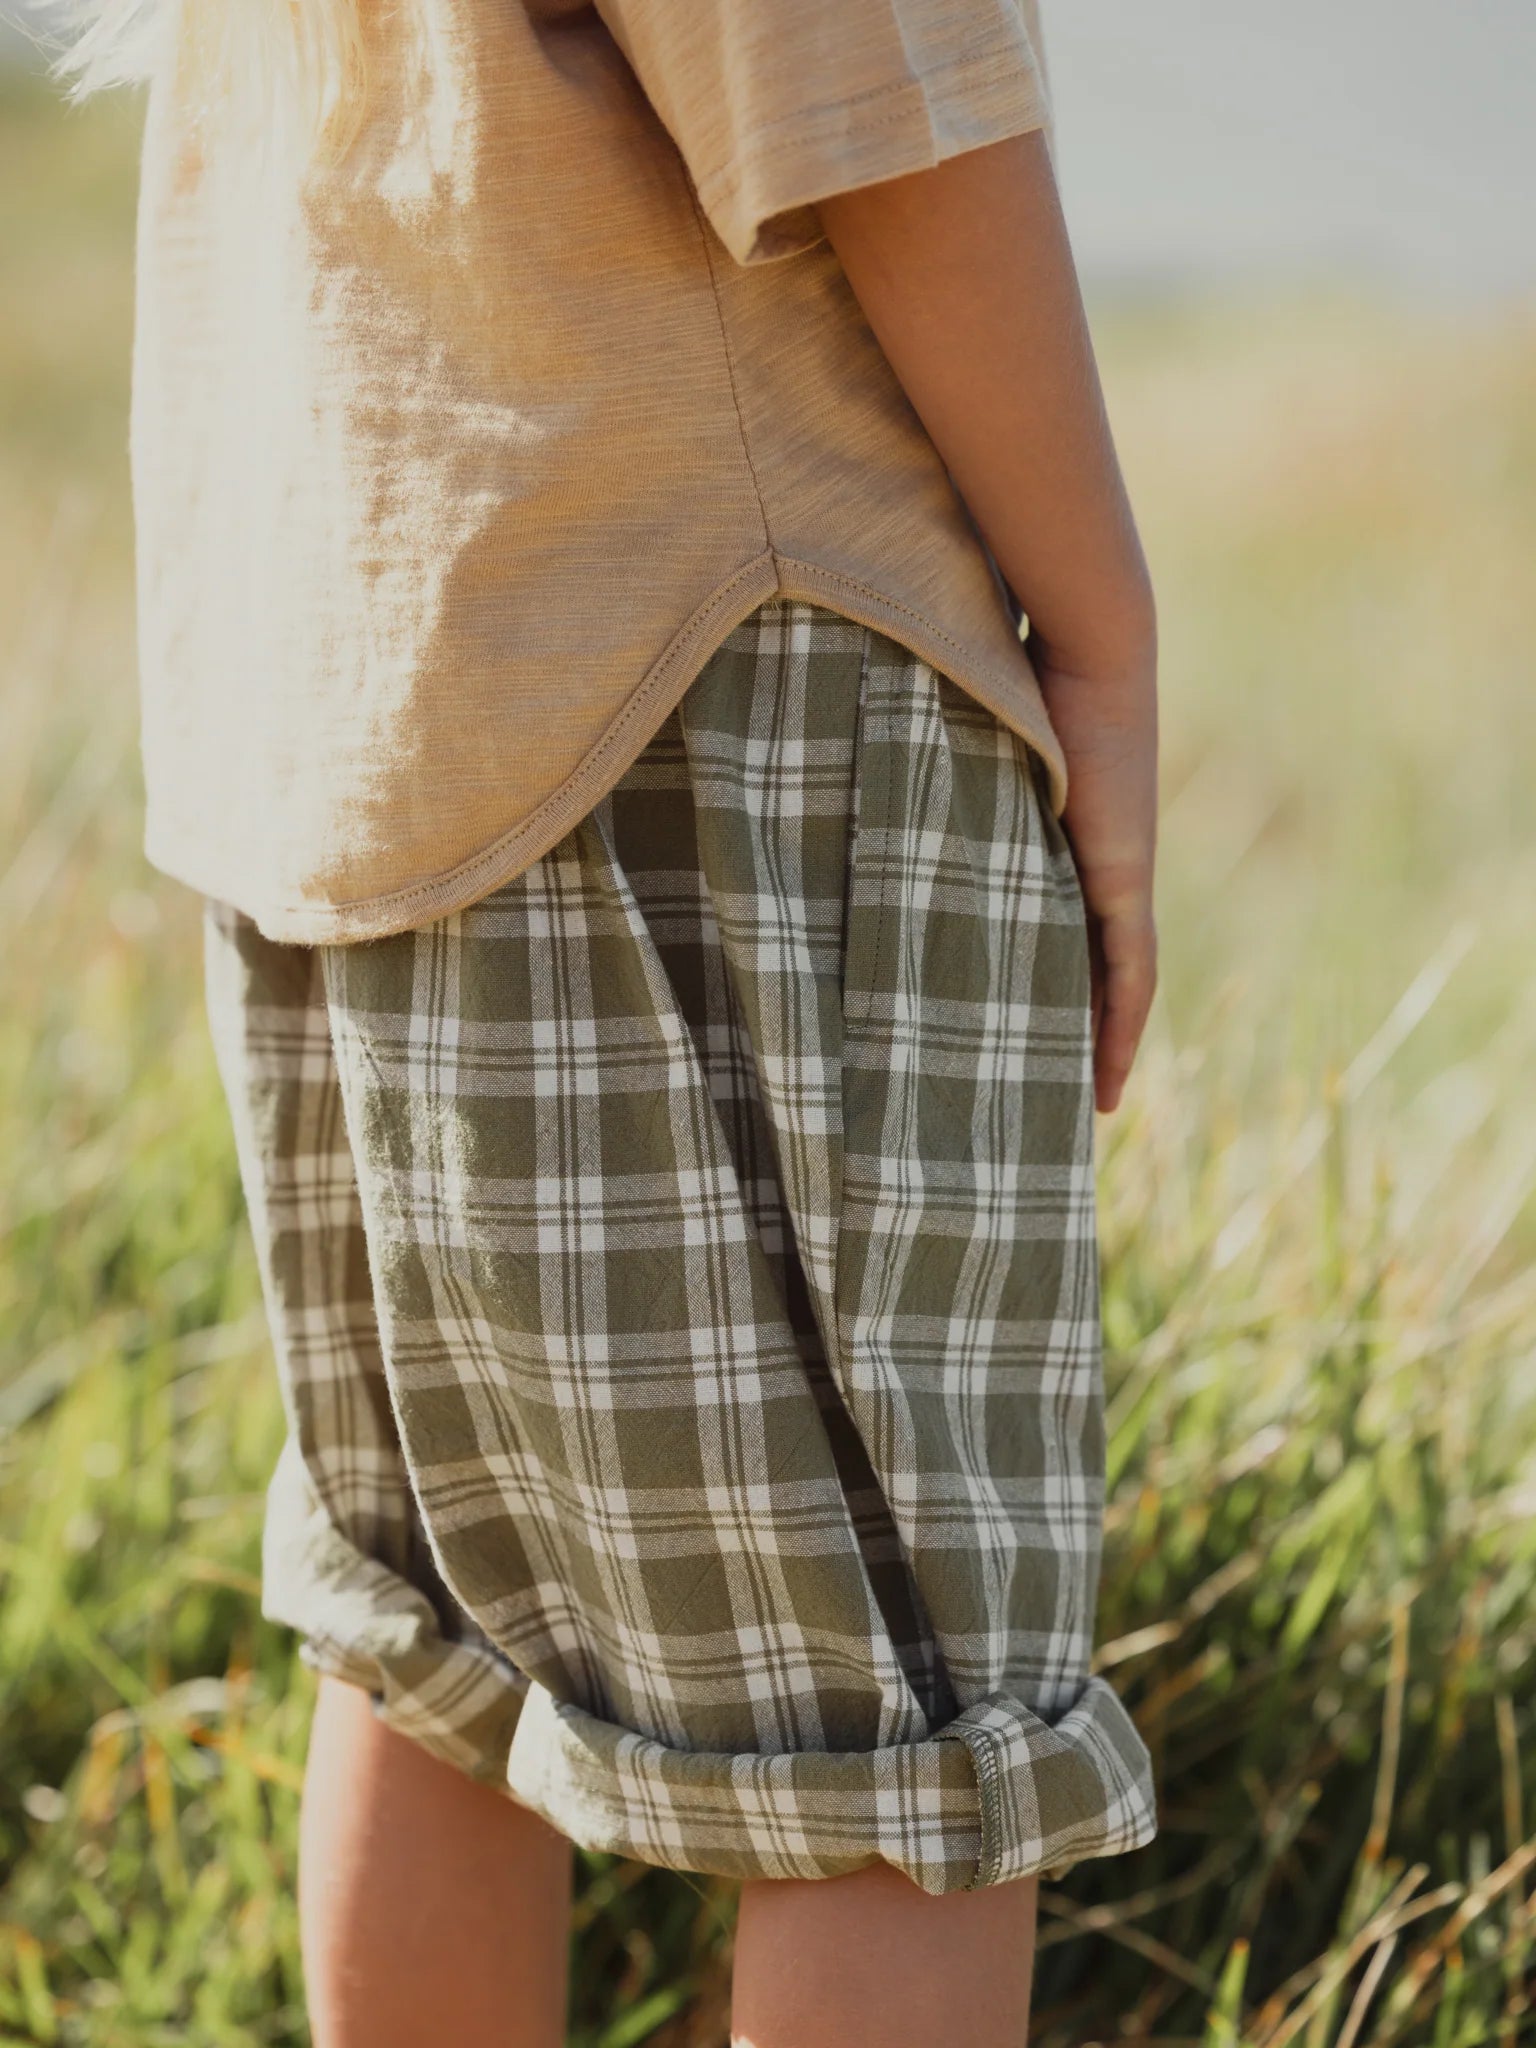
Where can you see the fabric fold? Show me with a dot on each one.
(995, 1796)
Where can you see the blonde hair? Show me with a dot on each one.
(293, 68)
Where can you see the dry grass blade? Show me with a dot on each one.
(1365, 1991)
(1391, 1738)
(1275, 2027)
(1406, 1015)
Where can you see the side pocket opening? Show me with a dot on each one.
(864, 872)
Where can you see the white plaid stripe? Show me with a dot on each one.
(727, 1188)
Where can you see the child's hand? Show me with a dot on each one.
(1108, 729)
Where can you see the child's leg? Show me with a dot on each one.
(872, 1959)
(432, 1908)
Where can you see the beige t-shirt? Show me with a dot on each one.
(453, 462)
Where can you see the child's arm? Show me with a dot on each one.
(966, 277)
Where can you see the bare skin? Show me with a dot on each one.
(869, 1959)
(433, 1909)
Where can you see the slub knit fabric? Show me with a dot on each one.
(455, 460)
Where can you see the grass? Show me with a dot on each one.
(1320, 1584)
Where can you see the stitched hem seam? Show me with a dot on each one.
(1012, 698)
(990, 1861)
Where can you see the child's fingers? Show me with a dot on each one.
(1127, 977)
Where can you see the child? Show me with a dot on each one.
(666, 936)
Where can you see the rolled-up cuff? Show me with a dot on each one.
(997, 1794)
(370, 1627)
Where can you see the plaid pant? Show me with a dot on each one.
(682, 1274)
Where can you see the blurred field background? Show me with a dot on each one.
(1320, 1592)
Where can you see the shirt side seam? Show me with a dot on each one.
(706, 236)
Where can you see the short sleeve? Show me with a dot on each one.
(776, 104)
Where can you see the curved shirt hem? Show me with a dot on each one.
(1013, 700)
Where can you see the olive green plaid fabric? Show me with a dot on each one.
(683, 1277)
